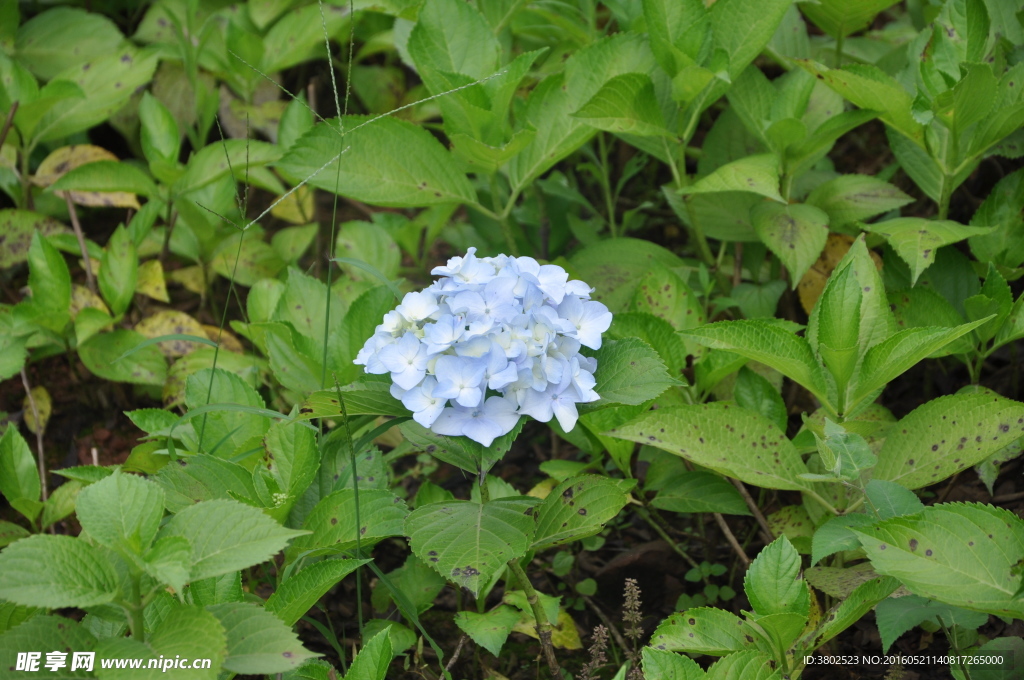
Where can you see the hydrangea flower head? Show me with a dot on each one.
(494, 338)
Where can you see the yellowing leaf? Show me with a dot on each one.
(226, 339)
(171, 322)
(68, 158)
(563, 634)
(151, 281)
(43, 405)
(83, 298)
(542, 489)
(296, 207)
(192, 278)
(813, 282)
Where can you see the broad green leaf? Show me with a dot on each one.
(17, 228)
(849, 610)
(870, 88)
(1004, 209)
(366, 241)
(626, 104)
(298, 36)
(664, 294)
(756, 393)
(743, 27)
(216, 161)
(300, 592)
(417, 584)
(754, 174)
(577, 508)
(122, 512)
(890, 499)
(840, 18)
(387, 162)
(490, 629)
(45, 633)
(963, 554)
(922, 307)
(202, 477)
(927, 174)
(169, 561)
(834, 535)
(486, 157)
(669, 665)
(10, 532)
(970, 100)
(158, 134)
(119, 271)
(468, 543)
(773, 583)
(678, 32)
(62, 37)
(257, 641)
(291, 456)
(101, 353)
(56, 571)
(729, 440)
(105, 177)
(656, 332)
(769, 343)
(185, 631)
(704, 630)
(916, 239)
(700, 491)
(629, 372)
(49, 281)
(896, 615)
(19, 476)
(850, 198)
(224, 431)
(216, 590)
(611, 266)
(226, 536)
(795, 233)
(332, 523)
(462, 452)
(13, 353)
(839, 582)
(372, 661)
(745, 665)
(948, 434)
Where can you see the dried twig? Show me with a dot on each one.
(90, 281)
(729, 536)
(756, 511)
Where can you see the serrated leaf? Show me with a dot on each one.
(45, 633)
(122, 512)
(489, 630)
(849, 198)
(946, 435)
(611, 266)
(168, 561)
(795, 233)
(665, 665)
(840, 18)
(662, 293)
(332, 523)
(916, 239)
(388, 162)
(19, 476)
(773, 582)
(578, 507)
(226, 536)
(699, 491)
(964, 554)
(462, 452)
(890, 499)
(202, 477)
(704, 630)
(629, 372)
(300, 592)
(896, 615)
(214, 162)
(834, 536)
(467, 542)
(729, 440)
(753, 174)
(743, 27)
(56, 571)
(372, 661)
(745, 665)
(839, 582)
(257, 641)
(626, 104)
(756, 393)
(849, 610)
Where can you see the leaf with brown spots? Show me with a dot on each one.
(168, 323)
(257, 641)
(16, 229)
(579, 507)
(916, 239)
(707, 630)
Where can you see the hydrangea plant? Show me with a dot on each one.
(492, 339)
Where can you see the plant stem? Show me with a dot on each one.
(606, 185)
(39, 435)
(839, 50)
(506, 226)
(729, 536)
(756, 511)
(136, 621)
(81, 243)
(541, 619)
(643, 512)
(8, 122)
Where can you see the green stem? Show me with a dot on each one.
(643, 512)
(828, 506)
(541, 619)
(502, 217)
(136, 621)
(944, 197)
(606, 185)
(839, 50)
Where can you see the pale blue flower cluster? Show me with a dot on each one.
(492, 339)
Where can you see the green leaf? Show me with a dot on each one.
(704, 630)
(870, 88)
(185, 631)
(729, 440)
(756, 393)
(963, 554)
(462, 452)
(626, 104)
(372, 661)
(332, 523)
(291, 456)
(100, 353)
(629, 372)
(890, 499)
(834, 535)
(361, 398)
(119, 270)
(678, 31)
(773, 582)
(369, 243)
(850, 610)
(1006, 649)
(840, 18)
(159, 134)
(257, 641)
(578, 507)
(223, 431)
(49, 280)
(753, 174)
(745, 665)
(468, 543)
(743, 27)
(19, 476)
(18, 228)
(387, 162)
(948, 434)
(216, 161)
(56, 571)
(896, 615)
(611, 266)
(202, 477)
(664, 294)
(13, 353)
(122, 512)
(851, 198)
(226, 536)
(795, 233)
(669, 665)
(844, 454)
(45, 633)
(839, 582)
(10, 532)
(298, 36)
(971, 100)
(300, 592)
(62, 37)
(106, 176)
(916, 239)
(490, 629)
(769, 343)
(656, 332)
(168, 561)
(699, 491)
